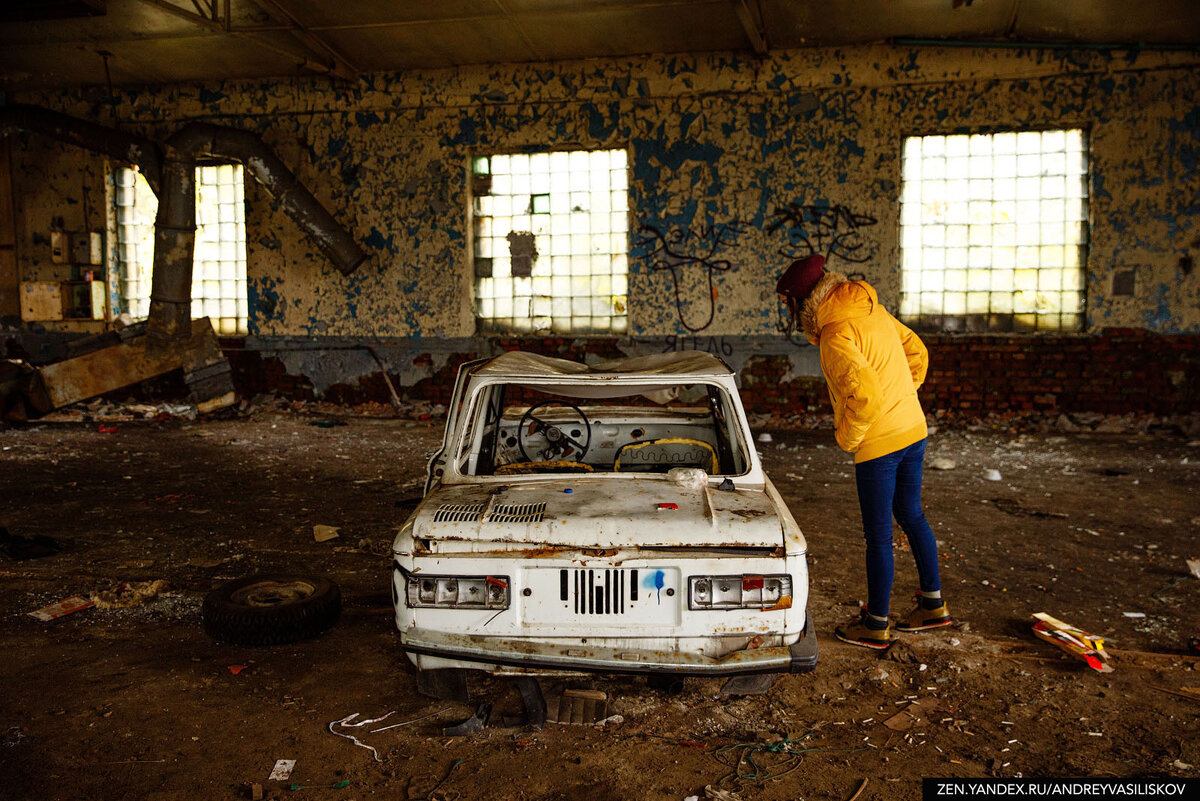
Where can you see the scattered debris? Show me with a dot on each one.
(1011, 506)
(765, 437)
(585, 707)
(128, 594)
(429, 795)
(1181, 765)
(688, 477)
(859, 791)
(753, 684)
(236, 669)
(1076, 642)
(325, 533)
(1134, 614)
(1194, 566)
(909, 716)
(374, 548)
(20, 547)
(282, 770)
(991, 474)
(346, 722)
(472, 724)
(717, 794)
(342, 785)
(409, 722)
(64, 607)
(943, 463)
(113, 360)
(200, 561)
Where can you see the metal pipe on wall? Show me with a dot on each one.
(170, 170)
(116, 144)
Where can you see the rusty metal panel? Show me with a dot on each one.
(41, 300)
(128, 363)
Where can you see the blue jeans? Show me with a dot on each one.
(891, 485)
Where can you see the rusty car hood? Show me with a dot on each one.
(600, 513)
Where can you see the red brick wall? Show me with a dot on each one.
(1118, 371)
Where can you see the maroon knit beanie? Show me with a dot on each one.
(800, 279)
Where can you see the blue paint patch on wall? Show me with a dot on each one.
(262, 300)
(1158, 318)
(211, 95)
(377, 240)
(600, 125)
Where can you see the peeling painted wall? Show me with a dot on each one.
(721, 148)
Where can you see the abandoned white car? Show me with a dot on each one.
(612, 518)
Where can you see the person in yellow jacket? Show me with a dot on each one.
(873, 365)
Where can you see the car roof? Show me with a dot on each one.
(679, 365)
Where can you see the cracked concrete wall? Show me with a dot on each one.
(721, 148)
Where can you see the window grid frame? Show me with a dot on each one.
(1002, 254)
(550, 242)
(219, 283)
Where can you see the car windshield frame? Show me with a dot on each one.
(635, 384)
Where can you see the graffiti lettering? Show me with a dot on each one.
(683, 248)
(717, 346)
(830, 231)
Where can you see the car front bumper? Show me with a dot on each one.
(800, 657)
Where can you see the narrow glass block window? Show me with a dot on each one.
(993, 231)
(219, 263)
(551, 239)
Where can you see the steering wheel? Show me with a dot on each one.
(559, 441)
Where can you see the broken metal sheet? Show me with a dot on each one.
(138, 359)
(475, 723)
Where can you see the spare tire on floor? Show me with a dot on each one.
(271, 609)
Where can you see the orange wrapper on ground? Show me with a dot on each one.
(1074, 641)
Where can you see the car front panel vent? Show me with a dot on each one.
(598, 592)
(458, 513)
(518, 513)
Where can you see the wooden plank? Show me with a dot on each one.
(103, 371)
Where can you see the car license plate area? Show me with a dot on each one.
(604, 596)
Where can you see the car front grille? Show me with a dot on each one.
(598, 592)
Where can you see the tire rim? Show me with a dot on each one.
(273, 593)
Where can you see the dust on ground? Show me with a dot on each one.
(138, 703)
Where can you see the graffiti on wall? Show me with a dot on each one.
(832, 231)
(686, 252)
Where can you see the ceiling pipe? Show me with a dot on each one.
(116, 144)
(907, 41)
(175, 224)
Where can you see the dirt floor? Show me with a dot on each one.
(139, 703)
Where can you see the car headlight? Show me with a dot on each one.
(740, 592)
(458, 592)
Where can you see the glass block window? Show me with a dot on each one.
(551, 238)
(219, 267)
(994, 231)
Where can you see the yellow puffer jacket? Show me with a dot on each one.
(873, 365)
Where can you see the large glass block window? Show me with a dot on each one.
(219, 266)
(994, 231)
(551, 235)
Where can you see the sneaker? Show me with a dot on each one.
(858, 633)
(921, 619)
